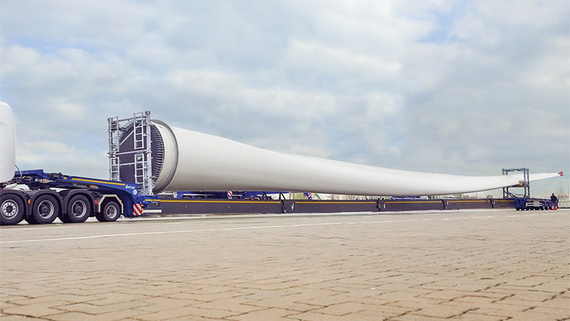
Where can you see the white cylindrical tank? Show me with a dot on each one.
(186, 160)
(7, 143)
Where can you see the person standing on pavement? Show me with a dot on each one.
(554, 200)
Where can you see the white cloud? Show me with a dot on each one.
(335, 62)
(440, 86)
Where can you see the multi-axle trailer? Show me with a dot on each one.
(74, 199)
(148, 156)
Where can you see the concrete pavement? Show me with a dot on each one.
(452, 265)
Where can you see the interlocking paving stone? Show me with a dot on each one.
(266, 314)
(32, 310)
(449, 265)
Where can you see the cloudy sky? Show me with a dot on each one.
(458, 87)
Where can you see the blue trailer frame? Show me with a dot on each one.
(127, 193)
(529, 203)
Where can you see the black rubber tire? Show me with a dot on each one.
(11, 210)
(110, 213)
(78, 210)
(45, 210)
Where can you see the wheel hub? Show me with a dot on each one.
(9, 209)
(45, 209)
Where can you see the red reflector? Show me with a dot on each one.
(96, 202)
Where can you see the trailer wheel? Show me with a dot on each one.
(11, 210)
(110, 213)
(78, 210)
(44, 211)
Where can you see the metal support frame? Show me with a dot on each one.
(142, 152)
(114, 133)
(525, 183)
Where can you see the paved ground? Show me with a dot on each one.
(466, 265)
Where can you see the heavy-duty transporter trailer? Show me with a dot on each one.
(136, 153)
(74, 199)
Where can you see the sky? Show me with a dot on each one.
(455, 87)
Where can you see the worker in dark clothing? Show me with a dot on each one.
(554, 200)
